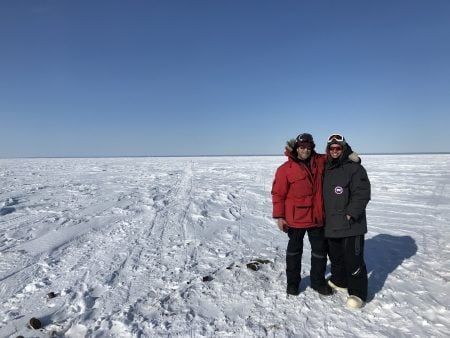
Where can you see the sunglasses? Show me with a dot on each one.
(335, 137)
(335, 148)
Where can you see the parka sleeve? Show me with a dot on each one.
(280, 188)
(359, 193)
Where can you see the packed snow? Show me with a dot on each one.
(149, 247)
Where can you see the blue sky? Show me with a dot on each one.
(111, 78)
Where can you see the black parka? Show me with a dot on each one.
(346, 191)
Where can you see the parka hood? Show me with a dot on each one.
(347, 154)
(291, 152)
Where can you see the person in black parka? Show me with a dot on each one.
(346, 193)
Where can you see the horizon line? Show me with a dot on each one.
(215, 155)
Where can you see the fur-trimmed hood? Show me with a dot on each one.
(347, 153)
(291, 152)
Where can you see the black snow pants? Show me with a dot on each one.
(348, 268)
(318, 255)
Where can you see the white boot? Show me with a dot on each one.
(354, 302)
(335, 287)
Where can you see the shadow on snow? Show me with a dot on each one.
(6, 210)
(383, 254)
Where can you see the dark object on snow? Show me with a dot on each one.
(51, 295)
(262, 261)
(253, 266)
(19, 337)
(207, 279)
(232, 266)
(35, 323)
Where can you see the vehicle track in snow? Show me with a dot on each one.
(145, 246)
(142, 261)
(138, 274)
(121, 216)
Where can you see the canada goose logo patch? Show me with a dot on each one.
(338, 190)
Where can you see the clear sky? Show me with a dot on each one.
(111, 78)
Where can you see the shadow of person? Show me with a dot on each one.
(383, 254)
(305, 282)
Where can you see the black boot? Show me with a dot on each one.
(293, 289)
(324, 290)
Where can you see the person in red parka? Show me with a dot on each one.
(298, 207)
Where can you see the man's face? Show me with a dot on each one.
(304, 152)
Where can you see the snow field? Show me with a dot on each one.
(126, 244)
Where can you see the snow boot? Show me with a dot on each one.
(293, 290)
(324, 290)
(335, 287)
(354, 302)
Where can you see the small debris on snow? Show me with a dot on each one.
(34, 323)
(253, 266)
(51, 295)
(207, 279)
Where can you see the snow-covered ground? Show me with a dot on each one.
(146, 247)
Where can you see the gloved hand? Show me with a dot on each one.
(282, 225)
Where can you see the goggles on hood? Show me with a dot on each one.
(335, 137)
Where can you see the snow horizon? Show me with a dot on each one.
(212, 155)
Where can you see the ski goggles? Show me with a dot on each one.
(335, 137)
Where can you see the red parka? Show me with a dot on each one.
(297, 191)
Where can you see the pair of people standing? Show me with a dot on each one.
(311, 190)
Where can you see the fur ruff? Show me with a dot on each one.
(290, 145)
